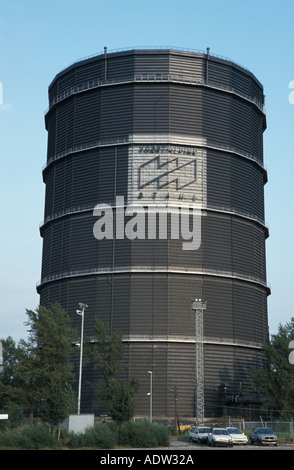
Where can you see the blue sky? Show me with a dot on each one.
(39, 38)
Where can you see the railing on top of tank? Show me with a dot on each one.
(155, 77)
(156, 48)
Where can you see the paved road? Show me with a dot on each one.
(184, 445)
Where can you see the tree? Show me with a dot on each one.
(17, 383)
(106, 353)
(51, 336)
(8, 371)
(121, 400)
(276, 379)
(37, 373)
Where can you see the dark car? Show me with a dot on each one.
(263, 436)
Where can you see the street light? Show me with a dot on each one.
(82, 313)
(150, 394)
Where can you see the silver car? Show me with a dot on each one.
(237, 436)
(199, 433)
(219, 437)
(263, 436)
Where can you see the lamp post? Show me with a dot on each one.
(82, 313)
(150, 394)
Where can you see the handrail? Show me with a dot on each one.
(155, 77)
(155, 48)
(170, 338)
(131, 139)
(151, 269)
(225, 210)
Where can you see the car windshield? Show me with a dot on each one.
(234, 431)
(220, 431)
(204, 430)
(264, 431)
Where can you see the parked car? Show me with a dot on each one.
(199, 433)
(237, 436)
(263, 436)
(219, 437)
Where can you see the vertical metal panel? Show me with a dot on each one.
(66, 80)
(116, 109)
(87, 109)
(217, 117)
(151, 112)
(64, 126)
(219, 316)
(219, 73)
(50, 122)
(187, 118)
(186, 66)
(85, 177)
(219, 179)
(241, 82)
(217, 241)
(151, 63)
(120, 66)
(89, 71)
(241, 182)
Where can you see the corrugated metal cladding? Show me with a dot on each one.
(148, 126)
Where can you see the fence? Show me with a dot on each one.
(275, 426)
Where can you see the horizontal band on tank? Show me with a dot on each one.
(170, 139)
(89, 208)
(243, 215)
(155, 270)
(150, 78)
(190, 339)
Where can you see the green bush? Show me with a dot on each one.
(144, 434)
(102, 436)
(72, 440)
(30, 437)
(98, 437)
(12, 439)
(40, 436)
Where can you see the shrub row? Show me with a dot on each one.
(102, 436)
(144, 434)
(27, 437)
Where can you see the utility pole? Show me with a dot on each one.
(199, 305)
(176, 407)
(82, 313)
(150, 393)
